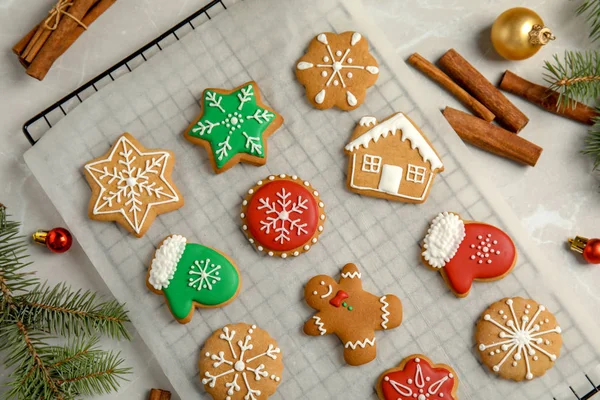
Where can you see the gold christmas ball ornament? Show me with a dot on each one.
(519, 33)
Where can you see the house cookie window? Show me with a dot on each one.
(371, 163)
(415, 174)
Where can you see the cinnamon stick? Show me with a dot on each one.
(22, 44)
(159, 394)
(463, 73)
(546, 98)
(54, 46)
(492, 138)
(447, 83)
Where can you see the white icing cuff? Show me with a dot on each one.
(165, 261)
(443, 239)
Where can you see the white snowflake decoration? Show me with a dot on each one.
(240, 366)
(132, 183)
(206, 276)
(282, 221)
(524, 337)
(421, 387)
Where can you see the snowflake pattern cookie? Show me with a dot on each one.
(337, 70)
(518, 338)
(346, 310)
(131, 185)
(234, 126)
(240, 361)
(190, 275)
(466, 251)
(418, 378)
(282, 215)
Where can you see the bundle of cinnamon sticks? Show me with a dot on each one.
(488, 103)
(48, 40)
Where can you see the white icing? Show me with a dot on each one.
(384, 312)
(165, 261)
(320, 97)
(372, 69)
(360, 343)
(322, 38)
(329, 290)
(351, 275)
(355, 38)
(305, 65)
(367, 121)
(420, 381)
(206, 275)
(149, 180)
(283, 216)
(446, 233)
(392, 125)
(320, 325)
(351, 99)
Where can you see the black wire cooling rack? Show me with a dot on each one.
(78, 96)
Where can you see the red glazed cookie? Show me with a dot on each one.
(240, 361)
(418, 378)
(467, 251)
(518, 338)
(337, 70)
(351, 313)
(282, 215)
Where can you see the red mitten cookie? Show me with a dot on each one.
(464, 251)
(351, 313)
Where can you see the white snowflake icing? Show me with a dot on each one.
(281, 215)
(522, 338)
(132, 183)
(333, 67)
(240, 366)
(483, 249)
(205, 276)
(421, 387)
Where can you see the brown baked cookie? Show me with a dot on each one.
(336, 70)
(518, 338)
(131, 185)
(351, 313)
(418, 378)
(240, 361)
(190, 275)
(283, 215)
(391, 159)
(234, 126)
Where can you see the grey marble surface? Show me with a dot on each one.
(556, 199)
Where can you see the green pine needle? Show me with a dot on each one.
(575, 77)
(591, 8)
(592, 143)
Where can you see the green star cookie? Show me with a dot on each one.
(234, 126)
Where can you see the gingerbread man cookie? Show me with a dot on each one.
(351, 313)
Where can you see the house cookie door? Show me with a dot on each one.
(391, 176)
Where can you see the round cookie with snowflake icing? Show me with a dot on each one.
(190, 275)
(518, 338)
(418, 378)
(240, 361)
(336, 70)
(282, 215)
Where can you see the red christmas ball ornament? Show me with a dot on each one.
(57, 240)
(589, 248)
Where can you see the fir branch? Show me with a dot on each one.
(60, 310)
(591, 8)
(575, 77)
(592, 143)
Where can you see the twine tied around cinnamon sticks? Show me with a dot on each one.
(57, 11)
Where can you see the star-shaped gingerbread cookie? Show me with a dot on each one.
(131, 185)
(351, 313)
(234, 126)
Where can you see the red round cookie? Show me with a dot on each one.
(282, 215)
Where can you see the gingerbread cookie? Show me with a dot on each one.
(190, 275)
(518, 338)
(466, 251)
(234, 126)
(418, 378)
(131, 185)
(337, 70)
(391, 160)
(351, 313)
(240, 361)
(282, 215)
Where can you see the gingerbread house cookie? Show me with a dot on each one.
(391, 160)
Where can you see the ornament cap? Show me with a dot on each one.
(540, 35)
(578, 244)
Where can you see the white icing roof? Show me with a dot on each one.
(409, 131)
